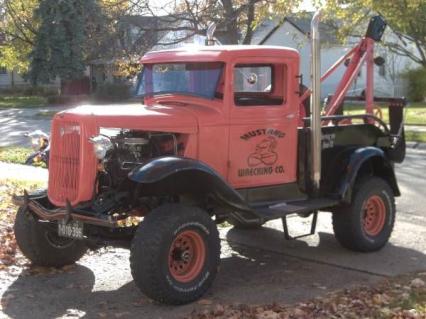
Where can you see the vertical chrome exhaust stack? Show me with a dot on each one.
(210, 34)
(316, 102)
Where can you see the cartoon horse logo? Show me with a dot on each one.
(265, 153)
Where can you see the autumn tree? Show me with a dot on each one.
(20, 24)
(235, 19)
(406, 20)
(61, 40)
(19, 27)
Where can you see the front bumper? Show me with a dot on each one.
(33, 202)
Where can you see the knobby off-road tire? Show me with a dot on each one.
(42, 246)
(175, 254)
(366, 224)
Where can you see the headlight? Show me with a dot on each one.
(38, 139)
(101, 145)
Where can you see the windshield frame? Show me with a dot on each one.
(171, 92)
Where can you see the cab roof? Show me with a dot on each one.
(221, 53)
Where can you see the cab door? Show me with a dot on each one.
(263, 123)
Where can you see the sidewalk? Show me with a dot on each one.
(22, 172)
(415, 128)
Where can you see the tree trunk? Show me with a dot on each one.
(231, 22)
(12, 79)
(249, 24)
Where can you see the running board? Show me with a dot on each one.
(281, 209)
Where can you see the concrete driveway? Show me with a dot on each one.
(257, 267)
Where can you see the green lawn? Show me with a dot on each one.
(17, 155)
(22, 101)
(415, 113)
(415, 136)
(46, 114)
(14, 154)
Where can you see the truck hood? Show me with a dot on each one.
(136, 116)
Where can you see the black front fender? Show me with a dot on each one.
(178, 175)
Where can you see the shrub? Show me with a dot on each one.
(66, 99)
(112, 92)
(29, 91)
(416, 84)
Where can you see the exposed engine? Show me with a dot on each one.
(133, 148)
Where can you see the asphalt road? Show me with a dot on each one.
(257, 267)
(14, 123)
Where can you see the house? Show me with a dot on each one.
(293, 31)
(9, 78)
(135, 35)
(138, 34)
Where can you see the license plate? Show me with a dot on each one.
(72, 229)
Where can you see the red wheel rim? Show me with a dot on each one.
(187, 255)
(374, 215)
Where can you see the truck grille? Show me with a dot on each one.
(64, 161)
(72, 166)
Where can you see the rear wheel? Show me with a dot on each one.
(42, 245)
(366, 224)
(175, 254)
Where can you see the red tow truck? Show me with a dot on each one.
(226, 133)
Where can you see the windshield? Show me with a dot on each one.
(199, 79)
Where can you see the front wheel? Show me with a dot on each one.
(42, 245)
(366, 224)
(175, 254)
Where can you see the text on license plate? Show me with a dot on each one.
(72, 229)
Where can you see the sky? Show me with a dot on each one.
(307, 5)
(157, 5)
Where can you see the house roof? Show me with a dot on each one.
(301, 23)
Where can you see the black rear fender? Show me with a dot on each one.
(177, 176)
(356, 163)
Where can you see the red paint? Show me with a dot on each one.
(212, 129)
(249, 146)
(187, 256)
(369, 87)
(360, 54)
(374, 215)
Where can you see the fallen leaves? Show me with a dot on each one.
(417, 283)
(396, 298)
(11, 260)
(8, 247)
